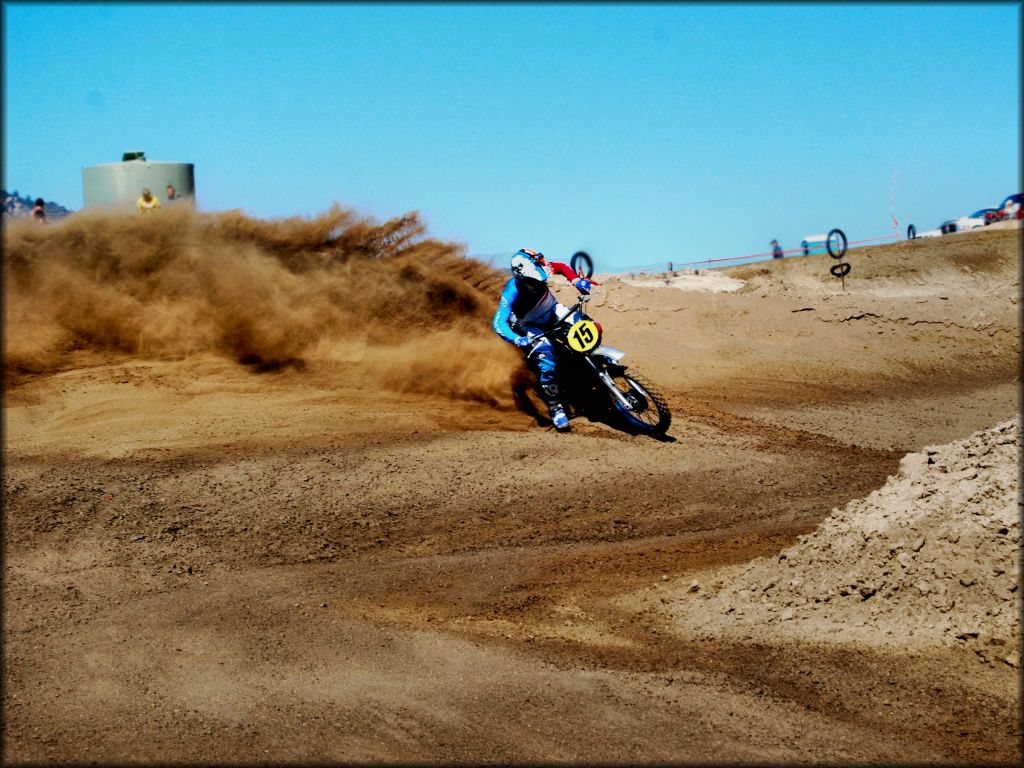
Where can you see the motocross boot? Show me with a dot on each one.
(555, 409)
(558, 418)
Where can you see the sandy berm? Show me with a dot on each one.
(273, 493)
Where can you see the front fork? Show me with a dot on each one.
(604, 376)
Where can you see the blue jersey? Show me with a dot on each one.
(519, 307)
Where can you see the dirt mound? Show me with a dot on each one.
(929, 558)
(336, 288)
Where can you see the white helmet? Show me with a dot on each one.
(528, 266)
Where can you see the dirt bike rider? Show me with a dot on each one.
(528, 309)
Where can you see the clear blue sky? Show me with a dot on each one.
(640, 133)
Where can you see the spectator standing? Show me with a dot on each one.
(172, 194)
(776, 250)
(39, 212)
(148, 202)
(1013, 210)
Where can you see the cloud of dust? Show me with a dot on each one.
(403, 311)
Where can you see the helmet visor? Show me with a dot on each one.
(524, 267)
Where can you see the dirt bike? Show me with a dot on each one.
(593, 381)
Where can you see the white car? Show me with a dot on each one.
(964, 223)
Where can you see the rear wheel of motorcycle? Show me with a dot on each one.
(647, 412)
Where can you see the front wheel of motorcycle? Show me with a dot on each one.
(645, 409)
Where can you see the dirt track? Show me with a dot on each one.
(307, 557)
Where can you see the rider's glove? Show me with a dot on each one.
(523, 341)
(582, 284)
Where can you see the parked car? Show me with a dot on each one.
(964, 223)
(1009, 209)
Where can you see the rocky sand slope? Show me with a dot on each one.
(931, 557)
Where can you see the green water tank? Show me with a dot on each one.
(119, 185)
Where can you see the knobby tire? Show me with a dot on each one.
(653, 416)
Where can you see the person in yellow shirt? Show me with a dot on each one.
(148, 202)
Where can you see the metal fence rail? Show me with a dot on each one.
(753, 258)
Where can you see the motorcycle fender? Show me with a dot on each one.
(611, 353)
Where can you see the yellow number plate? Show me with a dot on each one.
(583, 335)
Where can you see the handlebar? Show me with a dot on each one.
(583, 299)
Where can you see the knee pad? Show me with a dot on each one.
(542, 358)
(550, 390)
